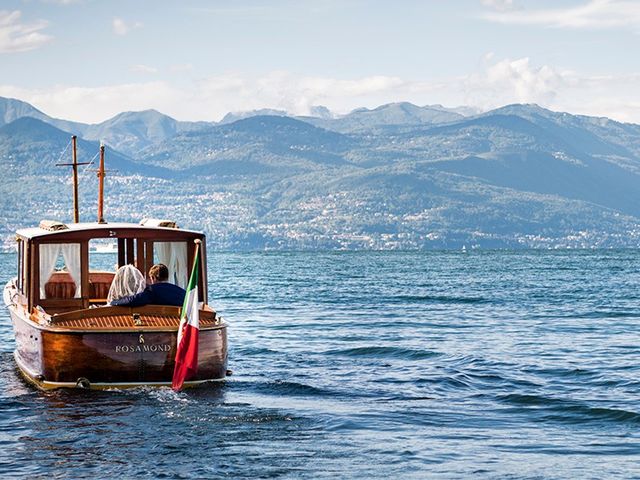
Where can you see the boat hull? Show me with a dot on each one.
(53, 358)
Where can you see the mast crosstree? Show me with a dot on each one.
(75, 165)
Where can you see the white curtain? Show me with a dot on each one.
(174, 256)
(48, 256)
(71, 254)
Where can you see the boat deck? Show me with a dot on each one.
(149, 317)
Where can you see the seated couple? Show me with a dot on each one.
(129, 288)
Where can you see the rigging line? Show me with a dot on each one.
(47, 167)
(85, 188)
(61, 155)
(84, 171)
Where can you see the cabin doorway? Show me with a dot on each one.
(175, 256)
(103, 263)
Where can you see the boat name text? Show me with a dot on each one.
(143, 348)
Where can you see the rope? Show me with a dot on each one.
(49, 165)
(60, 157)
(86, 167)
(84, 171)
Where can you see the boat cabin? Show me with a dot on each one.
(61, 267)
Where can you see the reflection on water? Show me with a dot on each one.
(492, 364)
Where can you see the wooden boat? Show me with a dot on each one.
(67, 337)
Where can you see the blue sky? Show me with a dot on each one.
(88, 60)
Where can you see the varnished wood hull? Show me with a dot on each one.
(53, 358)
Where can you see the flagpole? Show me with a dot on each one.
(196, 255)
(186, 359)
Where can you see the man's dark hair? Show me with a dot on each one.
(159, 272)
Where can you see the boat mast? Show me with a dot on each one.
(76, 211)
(101, 176)
(75, 165)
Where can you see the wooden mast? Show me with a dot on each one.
(101, 176)
(75, 165)
(76, 212)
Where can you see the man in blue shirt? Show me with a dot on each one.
(158, 292)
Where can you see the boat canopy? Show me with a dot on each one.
(96, 230)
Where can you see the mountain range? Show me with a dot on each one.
(396, 176)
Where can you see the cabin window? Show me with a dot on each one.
(174, 256)
(20, 282)
(60, 270)
(25, 272)
(103, 252)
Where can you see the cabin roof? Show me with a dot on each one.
(101, 230)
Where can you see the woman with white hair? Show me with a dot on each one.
(127, 281)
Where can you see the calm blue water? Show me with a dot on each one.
(372, 365)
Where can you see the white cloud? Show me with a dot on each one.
(497, 82)
(95, 104)
(592, 14)
(185, 67)
(501, 82)
(62, 2)
(211, 98)
(500, 5)
(120, 27)
(20, 37)
(282, 90)
(513, 81)
(143, 69)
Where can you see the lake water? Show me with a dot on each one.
(372, 365)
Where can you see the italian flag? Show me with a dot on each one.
(187, 351)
